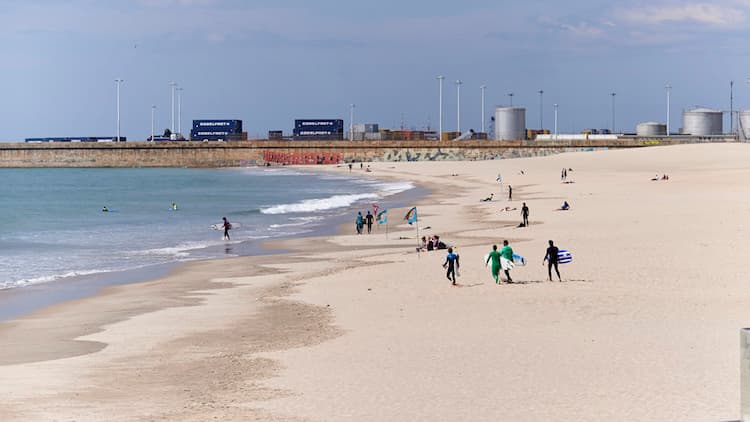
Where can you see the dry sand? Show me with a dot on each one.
(643, 328)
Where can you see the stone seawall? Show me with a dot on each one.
(233, 154)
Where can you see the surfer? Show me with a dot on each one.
(452, 264)
(227, 226)
(489, 198)
(552, 260)
(510, 193)
(506, 260)
(495, 257)
(105, 209)
(174, 206)
(525, 215)
(369, 219)
(360, 223)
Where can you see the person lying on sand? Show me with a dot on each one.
(655, 178)
(508, 209)
(489, 198)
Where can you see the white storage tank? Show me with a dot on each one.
(702, 122)
(651, 129)
(510, 123)
(745, 123)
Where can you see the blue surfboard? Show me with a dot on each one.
(564, 256)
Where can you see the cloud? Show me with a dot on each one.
(701, 13)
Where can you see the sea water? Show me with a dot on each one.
(52, 226)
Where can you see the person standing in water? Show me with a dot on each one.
(227, 226)
(174, 206)
(495, 257)
(452, 264)
(369, 219)
(525, 215)
(506, 260)
(552, 260)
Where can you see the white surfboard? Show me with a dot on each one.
(220, 226)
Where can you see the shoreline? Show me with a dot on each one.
(349, 327)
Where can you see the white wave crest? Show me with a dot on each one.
(387, 189)
(46, 279)
(323, 204)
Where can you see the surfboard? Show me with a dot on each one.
(220, 226)
(564, 256)
(517, 259)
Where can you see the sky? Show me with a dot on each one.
(270, 62)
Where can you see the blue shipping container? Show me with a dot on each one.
(233, 126)
(333, 125)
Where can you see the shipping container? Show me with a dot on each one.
(330, 137)
(275, 135)
(333, 125)
(231, 126)
(76, 139)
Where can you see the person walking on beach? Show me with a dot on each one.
(506, 260)
(227, 226)
(525, 215)
(494, 256)
(552, 260)
(452, 264)
(350, 167)
(369, 219)
(360, 223)
(510, 193)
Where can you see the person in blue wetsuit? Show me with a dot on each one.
(451, 264)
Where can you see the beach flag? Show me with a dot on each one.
(382, 217)
(564, 257)
(411, 216)
(375, 208)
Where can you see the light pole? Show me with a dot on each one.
(173, 85)
(731, 107)
(440, 115)
(179, 110)
(118, 82)
(153, 111)
(613, 111)
(511, 98)
(541, 109)
(555, 121)
(669, 89)
(351, 122)
(483, 88)
(458, 106)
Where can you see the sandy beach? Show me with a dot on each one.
(644, 326)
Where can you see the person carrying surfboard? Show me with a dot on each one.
(452, 264)
(506, 260)
(227, 226)
(552, 260)
(495, 257)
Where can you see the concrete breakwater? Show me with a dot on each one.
(233, 154)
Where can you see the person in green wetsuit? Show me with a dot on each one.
(495, 257)
(506, 260)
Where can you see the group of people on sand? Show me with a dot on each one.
(433, 244)
(657, 178)
(364, 220)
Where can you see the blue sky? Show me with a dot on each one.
(269, 62)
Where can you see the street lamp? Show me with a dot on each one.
(511, 98)
(118, 82)
(613, 111)
(179, 110)
(153, 111)
(668, 89)
(351, 122)
(458, 106)
(483, 88)
(541, 109)
(173, 85)
(440, 116)
(555, 121)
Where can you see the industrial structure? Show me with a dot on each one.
(510, 123)
(651, 129)
(702, 122)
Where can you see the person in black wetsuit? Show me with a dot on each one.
(551, 258)
(525, 215)
(452, 264)
(368, 220)
(510, 193)
(227, 226)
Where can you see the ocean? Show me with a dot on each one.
(52, 226)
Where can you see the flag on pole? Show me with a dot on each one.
(382, 217)
(411, 216)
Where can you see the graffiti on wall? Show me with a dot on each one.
(292, 158)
